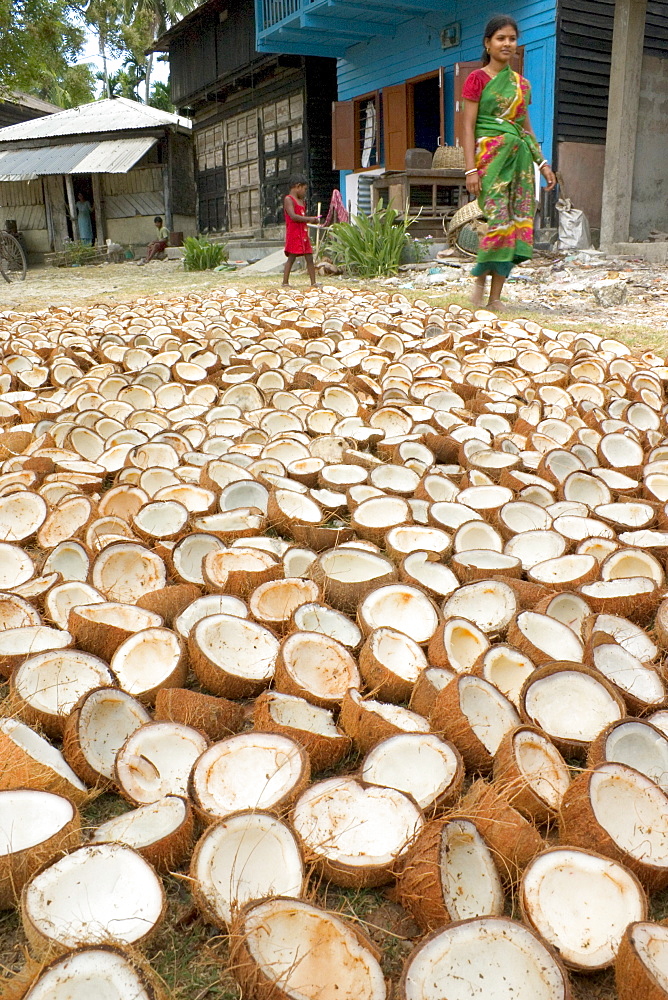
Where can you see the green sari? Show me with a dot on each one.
(505, 155)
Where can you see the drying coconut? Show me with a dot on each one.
(506, 668)
(569, 609)
(246, 857)
(96, 729)
(46, 687)
(18, 643)
(22, 514)
(286, 949)
(489, 604)
(622, 814)
(15, 612)
(101, 628)
(475, 716)
(149, 661)
(346, 575)
(105, 971)
(421, 765)
(429, 683)
(374, 518)
(368, 721)
(123, 571)
(119, 898)
(633, 638)
(35, 828)
(513, 840)
(603, 899)
(404, 539)
(457, 644)
(232, 657)
(401, 607)
(163, 832)
(634, 742)
(156, 760)
(353, 834)
(565, 572)
(310, 725)
(60, 600)
(481, 564)
(215, 717)
(27, 760)
(390, 663)
(316, 667)
(641, 969)
(314, 617)
(633, 597)
(640, 684)
(272, 604)
(449, 874)
(543, 638)
(186, 557)
(493, 957)
(423, 569)
(71, 560)
(532, 774)
(169, 602)
(204, 607)
(248, 771)
(571, 704)
(239, 570)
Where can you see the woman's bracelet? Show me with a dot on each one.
(467, 172)
(543, 164)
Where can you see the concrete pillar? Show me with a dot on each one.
(620, 147)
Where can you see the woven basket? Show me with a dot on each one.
(469, 236)
(448, 158)
(467, 213)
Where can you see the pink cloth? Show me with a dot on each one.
(337, 210)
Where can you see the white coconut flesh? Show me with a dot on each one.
(70, 559)
(533, 547)
(396, 715)
(320, 665)
(205, 607)
(353, 565)
(477, 535)
(361, 827)
(632, 586)
(298, 713)
(143, 826)
(318, 618)
(486, 958)
(98, 893)
(420, 765)
(628, 673)
(107, 717)
(53, 682)
(30, 639)
(507, 669)
(581, 904)
(418, 538)
(630, 636)
(275, 601)
(311, 954)
(382, 512)
(490, 715)
(162, 519)
(15, 612)
(249, 856)
(570, 610)
(29, 817)
(660, 720)
(122, 616)
(16, 566)
(146, 659)
(651, 944)
(40, 750)
(464, 643)
(237, 646)
(398, 653)
(401, 607)
(542, 766)
(469, 879)
(434, 576)
(123, 571)
(489, 604)
(640, 746)
(249, 771)
(563, 570)
(64, 596)
(190, 552)
(98, 973)
(570, 705)
(550, 636)
(486, 559)
(633, 811)
(632, 562)
(156, 760)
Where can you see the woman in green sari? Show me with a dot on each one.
(500, 150)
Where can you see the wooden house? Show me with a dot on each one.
(19, 107)
(257, 118)
(132, 162)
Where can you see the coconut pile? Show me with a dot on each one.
(333, 588)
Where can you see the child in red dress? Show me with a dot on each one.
(297, 242)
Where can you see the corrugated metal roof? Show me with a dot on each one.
(115, 115)
(112, 156)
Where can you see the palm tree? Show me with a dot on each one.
(162, 14)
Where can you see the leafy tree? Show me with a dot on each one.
(161, 97)
(75, 86)
(105, 17)
(38, 46)
(159, 16)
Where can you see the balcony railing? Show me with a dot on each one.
(275, 11)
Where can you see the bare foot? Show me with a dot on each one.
(495, 305)
(477, 293)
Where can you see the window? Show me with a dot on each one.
(357, 133)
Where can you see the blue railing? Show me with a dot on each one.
(275, 11)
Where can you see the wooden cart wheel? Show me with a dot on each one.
(13, 264)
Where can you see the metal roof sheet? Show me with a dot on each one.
(114, 115)
(111, 156)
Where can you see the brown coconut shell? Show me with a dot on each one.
(514, 785)
(215, 717)
(20, 985)
(633, 979)
(19, 770)
(169, 853)
(365, 727)
(448, 720)
(169, 602)
(103, 639)
(324, 751)
(425, 690)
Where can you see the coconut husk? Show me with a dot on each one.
(215, 717)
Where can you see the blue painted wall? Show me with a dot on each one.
(416, 49)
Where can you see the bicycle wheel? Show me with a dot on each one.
(13, 262)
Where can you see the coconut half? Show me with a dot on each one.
(27, 760)
(232, 657)
(475, 716)
(489, 604)
(148, 661)
(102, 893)
(421, 765)
(163, 831)
(96, 730)
(354, 834)
(532, 773)
(48, 686)
(310, 725)
(638, 744)
(248, 856)
(581, 903)
(105, 972)
(316, 667)
(641, 969)
(401, 607)
(289, 950)
(319, 618)
(390, 663)
(156, 760)
(485, 958)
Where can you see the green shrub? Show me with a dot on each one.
(202, 255)
(371, 245)
(75, 253)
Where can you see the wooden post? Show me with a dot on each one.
(69, 184)
(98, 204)
(167, 184)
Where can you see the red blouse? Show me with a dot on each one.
(475, 84)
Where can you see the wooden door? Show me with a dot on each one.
(462, 71)
(343, 135)
(395, 112)
(56, 212)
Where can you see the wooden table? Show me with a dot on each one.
(436, 194)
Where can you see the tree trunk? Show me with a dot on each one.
(147, 82)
